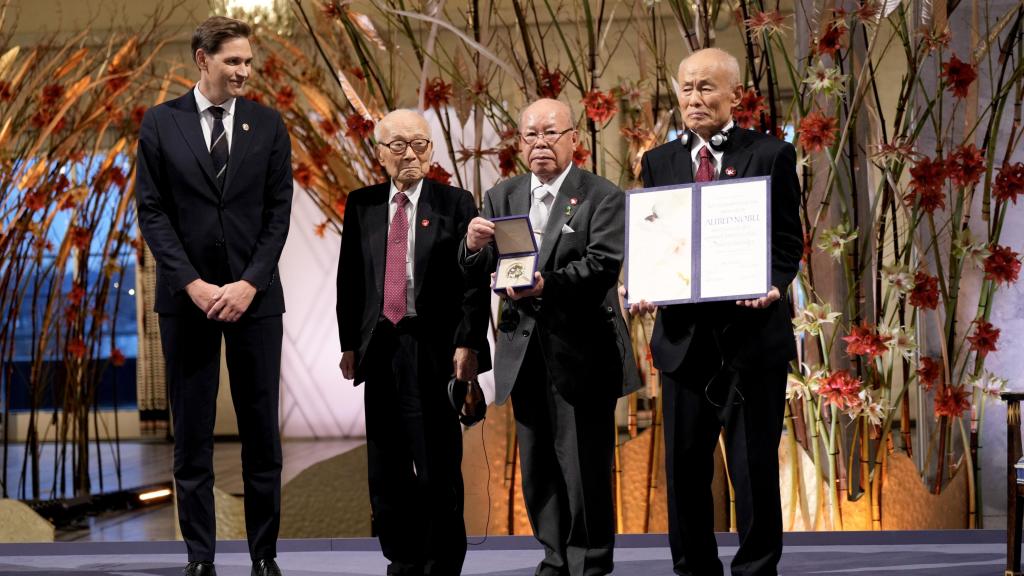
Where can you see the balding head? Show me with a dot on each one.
(410, 128)
(550, 123)
(709, 88)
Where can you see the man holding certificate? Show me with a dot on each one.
(563, 339)
(724, 362)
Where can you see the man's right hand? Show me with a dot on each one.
(348, 364)
(203, 294)
(641, 307)
(479, 233)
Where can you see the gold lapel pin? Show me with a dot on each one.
(245, 127)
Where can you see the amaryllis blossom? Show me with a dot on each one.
(749, 110)
(321, 229)
(136, 116)
(302, 174)
(901, 342)
(867, 406)
(117, 357)
(765, 22)
(80, 237)
(271, 68)
(285, 97)
(358, 127)
(951, 401)
(805, 382)
(965, 248)
(897, 276)
(929, 373)
(329, 126)
(966, 165)
(834, 240)
(826, 80)
(76, 295)
(831, 40)
(332, 9)
(865, 340)
(254, 96)
(1009, 182)
(868, 11)
(550, 83)
(437, 93)
(507, 160)
(339, 206)
(600, 106)
(840, 389)
(927, 177)
(925, 293)
(811, 318)
(437, 173)
(1002, 265)
(580, 155)
(897, 151)
(959, 76)
(984, 338)
(76, 348)
(989, 384)
(817, 131)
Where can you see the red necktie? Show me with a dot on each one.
(395, 280)
(705, 172)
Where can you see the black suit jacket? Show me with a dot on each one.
(453, 308)
(578, 319)
(197, 231)
(745, 336)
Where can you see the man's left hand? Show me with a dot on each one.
(465, 364)
(763, 301)
(234, 300)
(536, 291)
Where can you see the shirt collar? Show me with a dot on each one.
(203, 103)
(413, 193)
(554, 185)
(701, 142)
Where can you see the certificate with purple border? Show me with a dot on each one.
(699, 242)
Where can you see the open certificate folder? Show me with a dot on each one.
(699, 242)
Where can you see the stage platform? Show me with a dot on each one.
(944, 553)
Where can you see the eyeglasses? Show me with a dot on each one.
(549, 136)
(398, 147)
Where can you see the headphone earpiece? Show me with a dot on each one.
(719, 141)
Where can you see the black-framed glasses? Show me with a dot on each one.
(549, 136)
(397, 147)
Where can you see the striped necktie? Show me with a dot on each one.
(219, 146)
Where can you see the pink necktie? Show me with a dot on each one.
(705, 172)
(395, 281)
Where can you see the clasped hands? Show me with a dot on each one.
(645, 307)
(225, 303)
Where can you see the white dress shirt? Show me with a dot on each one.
(697, 142)
(410, 213)
(206, 118)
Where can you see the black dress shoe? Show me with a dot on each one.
(200, 569)
(265, 567)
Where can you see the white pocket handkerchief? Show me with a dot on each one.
(566, 229)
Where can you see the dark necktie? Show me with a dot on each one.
(219, 146)
(705, 171)
(395, 280)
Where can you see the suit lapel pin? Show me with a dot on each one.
(245, 127)
(424, 223)
(572, 202)
(730, 171)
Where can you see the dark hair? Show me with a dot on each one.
(217, 30)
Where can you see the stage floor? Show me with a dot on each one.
(946, 553)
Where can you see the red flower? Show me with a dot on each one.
(958, 75)
(749, 110)
(5, 91)
(925, 293)
(864, 340)
(437, 173)
(329, 127)
(112, 175)
(359, 127)
(51, 95)
(117, 80)
(271, 69)
(868, 11)
(765, 22)
(507, 160)
(76, 295)
(930, 372)
(832, 38)
(966, 165)
(437, 93)
(600, 106)
(36, 200)
(319, 154)
(339, 206)
(840, 389)
(580, 155)
(926, 180)
(357, 71)
(137, 114)
(817, 131)
(951, 401)
(254, 96)
(42, 119)
(76, 348)
(1002, 265)
(1009, 182)
(80, 237)
(117, 357)
(984, 338)
(285, 97)
(302, 174)
(71, 314)
(332, 9)
(550, 82)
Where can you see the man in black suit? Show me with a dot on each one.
(724, 364)
(567, 358)
(216, 230)
(408, 322)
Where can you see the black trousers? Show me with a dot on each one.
(192, 346)
(566, 456)
(414, 451)
(699, 400)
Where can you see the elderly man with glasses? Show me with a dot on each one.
(564, 346)
(408, 322)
